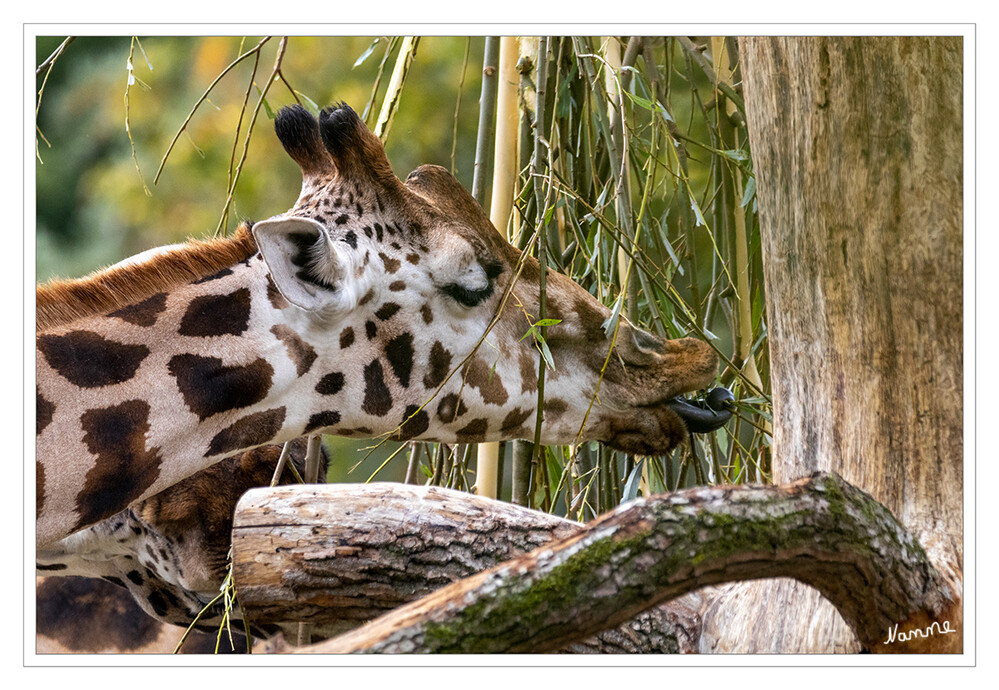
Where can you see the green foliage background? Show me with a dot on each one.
(92, 210)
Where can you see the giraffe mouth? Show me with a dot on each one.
(657, 428)
(705, 415)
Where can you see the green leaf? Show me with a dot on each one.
(267, 109)
(611, 323)
(750, 191)
(649, 105)
(547, 322)
(310, 104)
(697, 211)
(550, 211)
(630, 492)
(367, 53)
(547, 354)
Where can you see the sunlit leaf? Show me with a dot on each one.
(367, 53)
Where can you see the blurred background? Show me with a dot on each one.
(684, 213)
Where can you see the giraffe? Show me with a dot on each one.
(169, 552)
(372, 307)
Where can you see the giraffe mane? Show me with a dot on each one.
(60, 302)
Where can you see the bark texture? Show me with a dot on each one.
(857, 147)
(338, 556)
(821, 531)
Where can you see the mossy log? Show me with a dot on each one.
(821, 531)
(337, 556)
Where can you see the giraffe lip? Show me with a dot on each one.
(705, 415)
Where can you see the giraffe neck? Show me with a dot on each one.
(135, 400)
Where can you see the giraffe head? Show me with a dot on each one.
(421, 307)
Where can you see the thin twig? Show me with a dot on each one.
(128, 129)
(253, 51)
(47, 65)
(249, 130)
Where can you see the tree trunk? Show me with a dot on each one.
(338, 556)
(857, 148)
(821, 531)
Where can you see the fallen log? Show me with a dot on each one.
(821, 531)
(338, 556)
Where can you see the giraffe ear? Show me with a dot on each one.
(304, 264)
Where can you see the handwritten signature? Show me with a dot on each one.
(934, 628)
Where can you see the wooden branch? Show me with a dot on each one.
(821, 531)
(338, 556)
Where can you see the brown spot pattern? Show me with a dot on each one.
(106, 607)
(397, 285)
(414, 422)
(210, 387)
(391, 265)
(450, 408)
(555, 408)
(89, 360)
(427, 313)
(143, 313)
(212, 315)
(480, 375)
(387, 311)
(439, 365)
(321, 420)
(43, 412)
(377, 398)
(300, 352)
(330, 384)
(252, 430)
(515, 418)
(399, 352)
(124, 469)
(474, 430)
(346, 338)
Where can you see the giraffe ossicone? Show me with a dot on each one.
(372, 307)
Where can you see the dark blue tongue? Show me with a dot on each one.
(707, 415)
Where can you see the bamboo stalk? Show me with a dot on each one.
(504, 181)
(407, 51)
(412, 468)
(487, 122)
(538, 165)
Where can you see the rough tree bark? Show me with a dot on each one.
(820, 530)
(857, 148)
(341, 555)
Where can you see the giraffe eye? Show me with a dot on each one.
(468, 297)
(476, 285)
